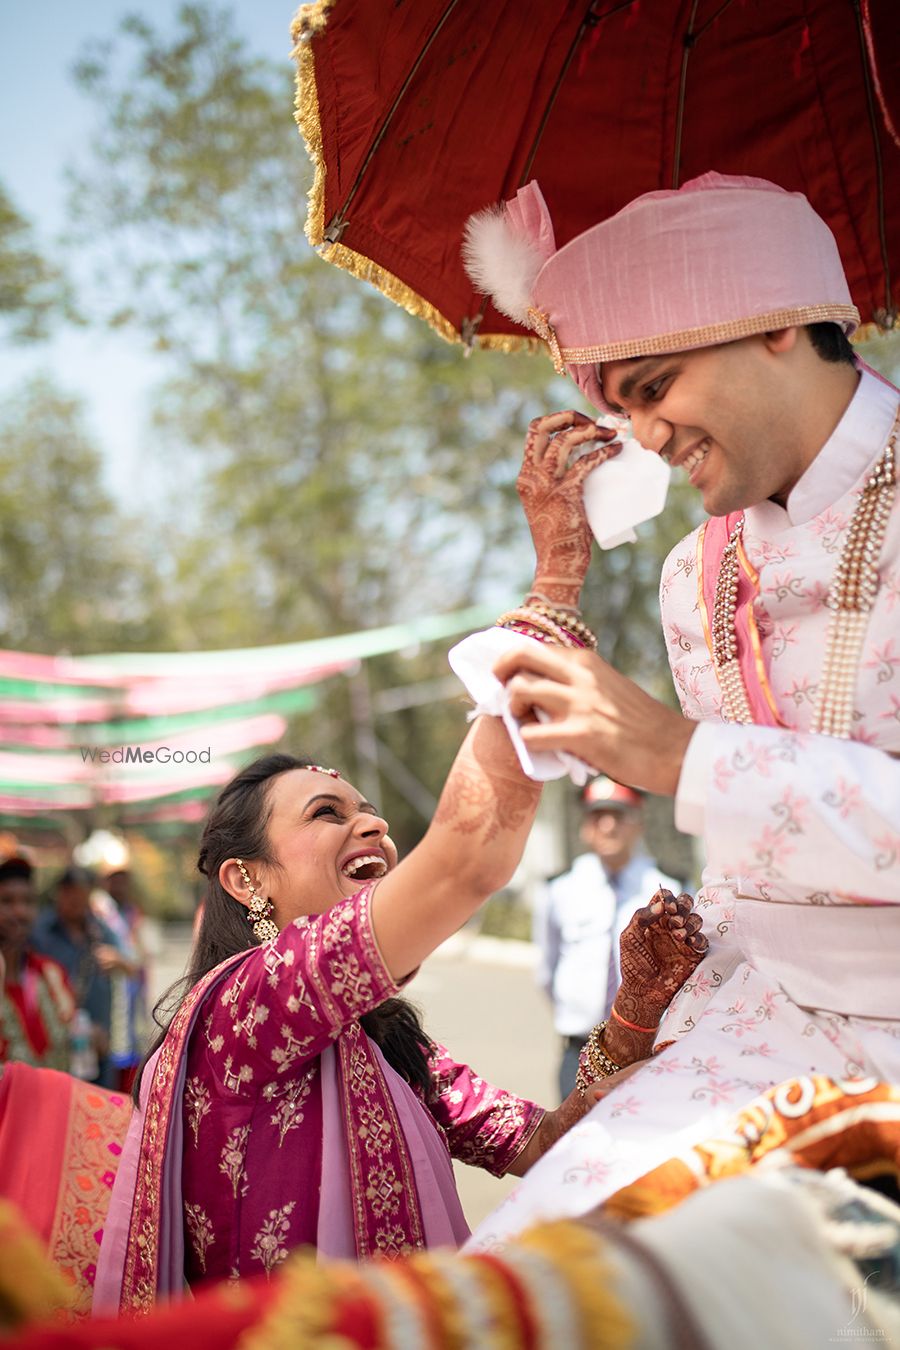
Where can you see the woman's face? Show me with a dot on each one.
(326, 841)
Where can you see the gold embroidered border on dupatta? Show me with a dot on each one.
(141, 1273)
(97, 1120)
(386, 1215)
(385, 1204)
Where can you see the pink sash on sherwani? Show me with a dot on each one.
(713, 537)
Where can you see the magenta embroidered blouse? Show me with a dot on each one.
(253, 1105)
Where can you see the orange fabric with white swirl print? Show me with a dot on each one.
(813, 1121)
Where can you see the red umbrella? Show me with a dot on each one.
(417, 114)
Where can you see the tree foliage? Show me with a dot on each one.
(75, 574)
(351, 467)
(33, 292)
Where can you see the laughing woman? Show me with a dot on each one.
(294, 1097)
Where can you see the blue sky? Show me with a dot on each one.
(44, 122)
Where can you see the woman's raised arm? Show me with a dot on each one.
(487, 807)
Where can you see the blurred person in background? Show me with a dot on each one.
(36, 1000)
(580, 915)
(87, 949)
(115, 904)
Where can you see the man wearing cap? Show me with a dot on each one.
(36, 1001)
(716, 318)
(579, 916)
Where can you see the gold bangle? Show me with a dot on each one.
(572, 623)
(556, 632)
(526, 630)
(538, 616)
(594, 1062)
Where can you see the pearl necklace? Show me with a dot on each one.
(735, 705)
(850, 598)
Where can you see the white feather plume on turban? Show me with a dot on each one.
(501, 262)
(505, 247)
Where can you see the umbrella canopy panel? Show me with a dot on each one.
(419, 114)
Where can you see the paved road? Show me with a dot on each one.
(479, 998)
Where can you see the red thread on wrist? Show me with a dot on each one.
(632, 1026)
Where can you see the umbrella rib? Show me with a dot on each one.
(687, 43)
(607, 14)
(890, 312)
(338, 223)
(589, 19)
(726, 4)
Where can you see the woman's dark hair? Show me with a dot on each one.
(831, 343)
(237, 827)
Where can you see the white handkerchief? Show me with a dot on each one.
(473, 660)
(625, 491)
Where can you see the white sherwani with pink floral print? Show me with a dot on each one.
(801, 892)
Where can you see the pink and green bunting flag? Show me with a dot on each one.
(156, 733)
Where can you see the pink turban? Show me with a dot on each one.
(721, 258)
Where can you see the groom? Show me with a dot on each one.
(716, 318)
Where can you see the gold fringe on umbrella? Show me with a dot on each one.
(309, 22)
(868, 332)
(358, 265)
